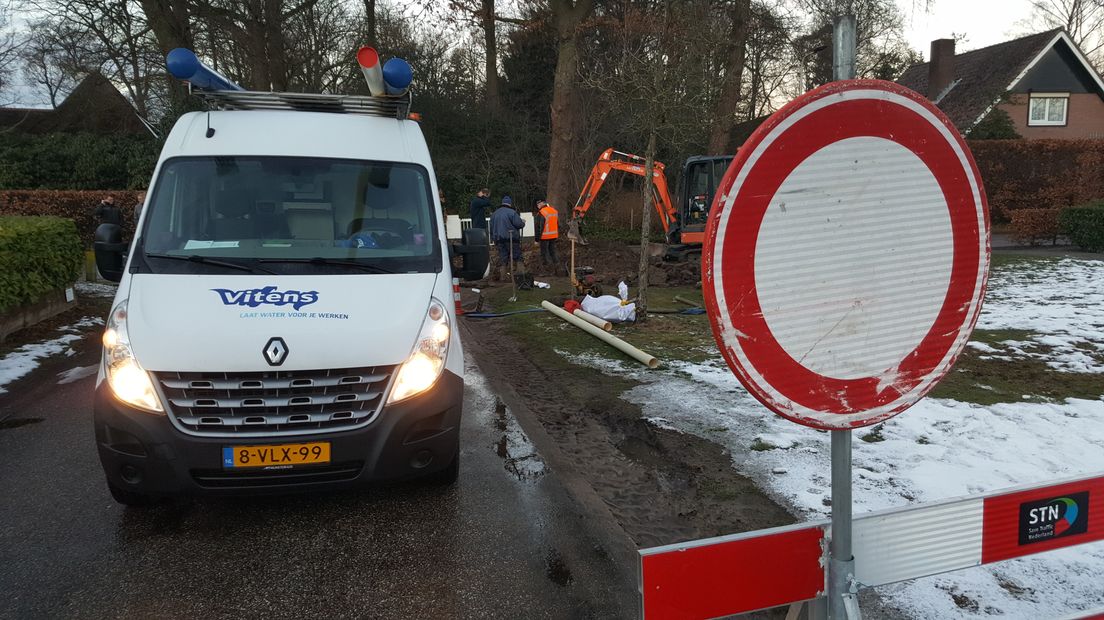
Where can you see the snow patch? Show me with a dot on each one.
(76, 374)
(23, 360)
(938, 449)
(1060, 303)
(96, 289)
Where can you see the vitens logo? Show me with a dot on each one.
(266, 296)
(1054, 518)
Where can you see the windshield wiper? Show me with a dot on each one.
(319, 260)
(199, 258)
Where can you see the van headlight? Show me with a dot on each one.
(422, 369)
(129, 382)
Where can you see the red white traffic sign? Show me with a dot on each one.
(846, 255)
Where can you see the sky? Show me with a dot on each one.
(984, 22)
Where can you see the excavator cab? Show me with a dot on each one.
(700, 177)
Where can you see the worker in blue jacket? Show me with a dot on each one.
(479, 207)
(506, 226)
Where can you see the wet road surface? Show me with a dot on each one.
(504, 542)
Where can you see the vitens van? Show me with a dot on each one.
(284, 318)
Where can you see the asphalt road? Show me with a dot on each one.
(506, 541)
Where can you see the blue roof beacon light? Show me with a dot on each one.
(397, 75)
(183, 64)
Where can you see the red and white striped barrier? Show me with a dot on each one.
(456, 296)
(756, 570)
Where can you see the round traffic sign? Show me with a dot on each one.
(846, 254)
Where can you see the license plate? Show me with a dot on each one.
(284, 455)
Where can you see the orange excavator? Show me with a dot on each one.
(684, 227)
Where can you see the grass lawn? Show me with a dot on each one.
(989, 371)
(666, 336)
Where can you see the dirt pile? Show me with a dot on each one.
(610, 262)
(686, 273)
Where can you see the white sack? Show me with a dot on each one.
(609, 308)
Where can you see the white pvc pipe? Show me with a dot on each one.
(613, 341)
(603, 324)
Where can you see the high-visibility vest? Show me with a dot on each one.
(551, 222)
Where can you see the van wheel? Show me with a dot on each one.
(129, 498)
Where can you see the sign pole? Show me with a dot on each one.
(842, 602)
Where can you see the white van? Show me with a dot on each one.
(285, 315)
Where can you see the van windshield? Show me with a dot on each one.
(290, 215)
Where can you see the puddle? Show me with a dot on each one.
(519, 456)
(17, 422)
(557, 570)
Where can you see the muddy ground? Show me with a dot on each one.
(640, 485)
(661, 486)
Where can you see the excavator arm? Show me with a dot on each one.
(612, 160)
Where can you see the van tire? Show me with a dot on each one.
(129, 498)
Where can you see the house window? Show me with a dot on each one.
(1047, 109)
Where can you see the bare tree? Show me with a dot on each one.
(568, 17)
(50, 62)
(724, 115)
(370, 22)
(321, 48)
(111, 37)
(1082, 19)
(484, 15)
(880, 30)
(771, 61)
(9, 47)
(654, 89)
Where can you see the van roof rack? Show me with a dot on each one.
(394, 107)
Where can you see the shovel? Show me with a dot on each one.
(513, 279)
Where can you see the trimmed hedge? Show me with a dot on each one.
(1035, 225)
(1033, 174)
(79, 206)
(76, 161)
(37, 255)
(1085, 226)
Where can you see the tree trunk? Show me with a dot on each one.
(370, 22)
(724, 116)
(566, 109)
(646, 228)
(169, 21)
(275, 45)
(487, 17)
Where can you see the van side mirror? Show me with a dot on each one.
(110, 251)
(475, 252)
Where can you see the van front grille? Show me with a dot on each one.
(221, 478)
(277, 402)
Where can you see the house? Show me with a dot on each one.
(1043, 82)
(95, 106)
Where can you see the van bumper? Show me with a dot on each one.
(144, 453)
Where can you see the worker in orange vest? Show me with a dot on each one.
(548, 231)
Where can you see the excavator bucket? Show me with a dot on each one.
(573, 233)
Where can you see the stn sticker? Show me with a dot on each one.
(1054, 518)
